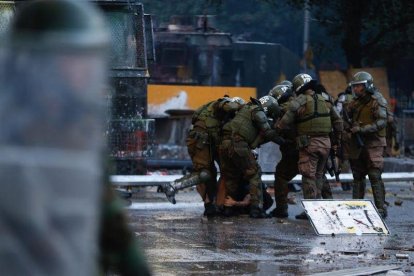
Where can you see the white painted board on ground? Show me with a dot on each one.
(344, 217)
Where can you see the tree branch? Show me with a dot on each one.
(384, 32)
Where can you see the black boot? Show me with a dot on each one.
(229, 211)
(345, 186)
(267, 200)
(383, 212)
(378, 191)
(257, 212)
(302, 215)
(280, 212)
(210, 209)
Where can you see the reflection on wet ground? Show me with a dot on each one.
(178, 240)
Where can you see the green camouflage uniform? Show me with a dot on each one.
(247, 130)
(369, 112)
(202, 141)
(286, 169)
(314, 117)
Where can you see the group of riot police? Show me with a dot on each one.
(300, 116)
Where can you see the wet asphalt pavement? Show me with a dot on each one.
(178, 240)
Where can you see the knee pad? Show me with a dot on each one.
(205, 176)
(374, 174)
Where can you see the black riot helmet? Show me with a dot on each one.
(302, 82)
(277, 91)
(287, 83)
(365, 78)
(285, 97)
(238, 100)
(270, 106)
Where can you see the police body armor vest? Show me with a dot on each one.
(363, 116)
(316, 118)
(205, 119)
(242, 124)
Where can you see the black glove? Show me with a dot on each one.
(279, 140)
(257, 212)
(396, 146)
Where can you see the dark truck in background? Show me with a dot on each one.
(196, 63)
(130, 135)
(190, 52)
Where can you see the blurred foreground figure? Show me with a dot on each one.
(119, 248)
(52, 117)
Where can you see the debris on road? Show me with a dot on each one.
(398, 202)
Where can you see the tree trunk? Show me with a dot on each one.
(352, 27)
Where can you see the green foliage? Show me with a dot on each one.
(371, 32)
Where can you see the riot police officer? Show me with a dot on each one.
(202, 141)
(245, 132)
(368, 113)
(314, 118)
(287, 168)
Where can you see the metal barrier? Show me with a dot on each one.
(156, 180)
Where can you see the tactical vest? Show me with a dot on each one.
(316, 118)
(204, 118)
(363, 116)
(206, 114)
(242, 124)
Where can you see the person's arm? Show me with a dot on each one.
(265, 130)
(379, 109)
(337, 125)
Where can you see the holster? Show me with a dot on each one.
(202, 139)
(302, 141)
